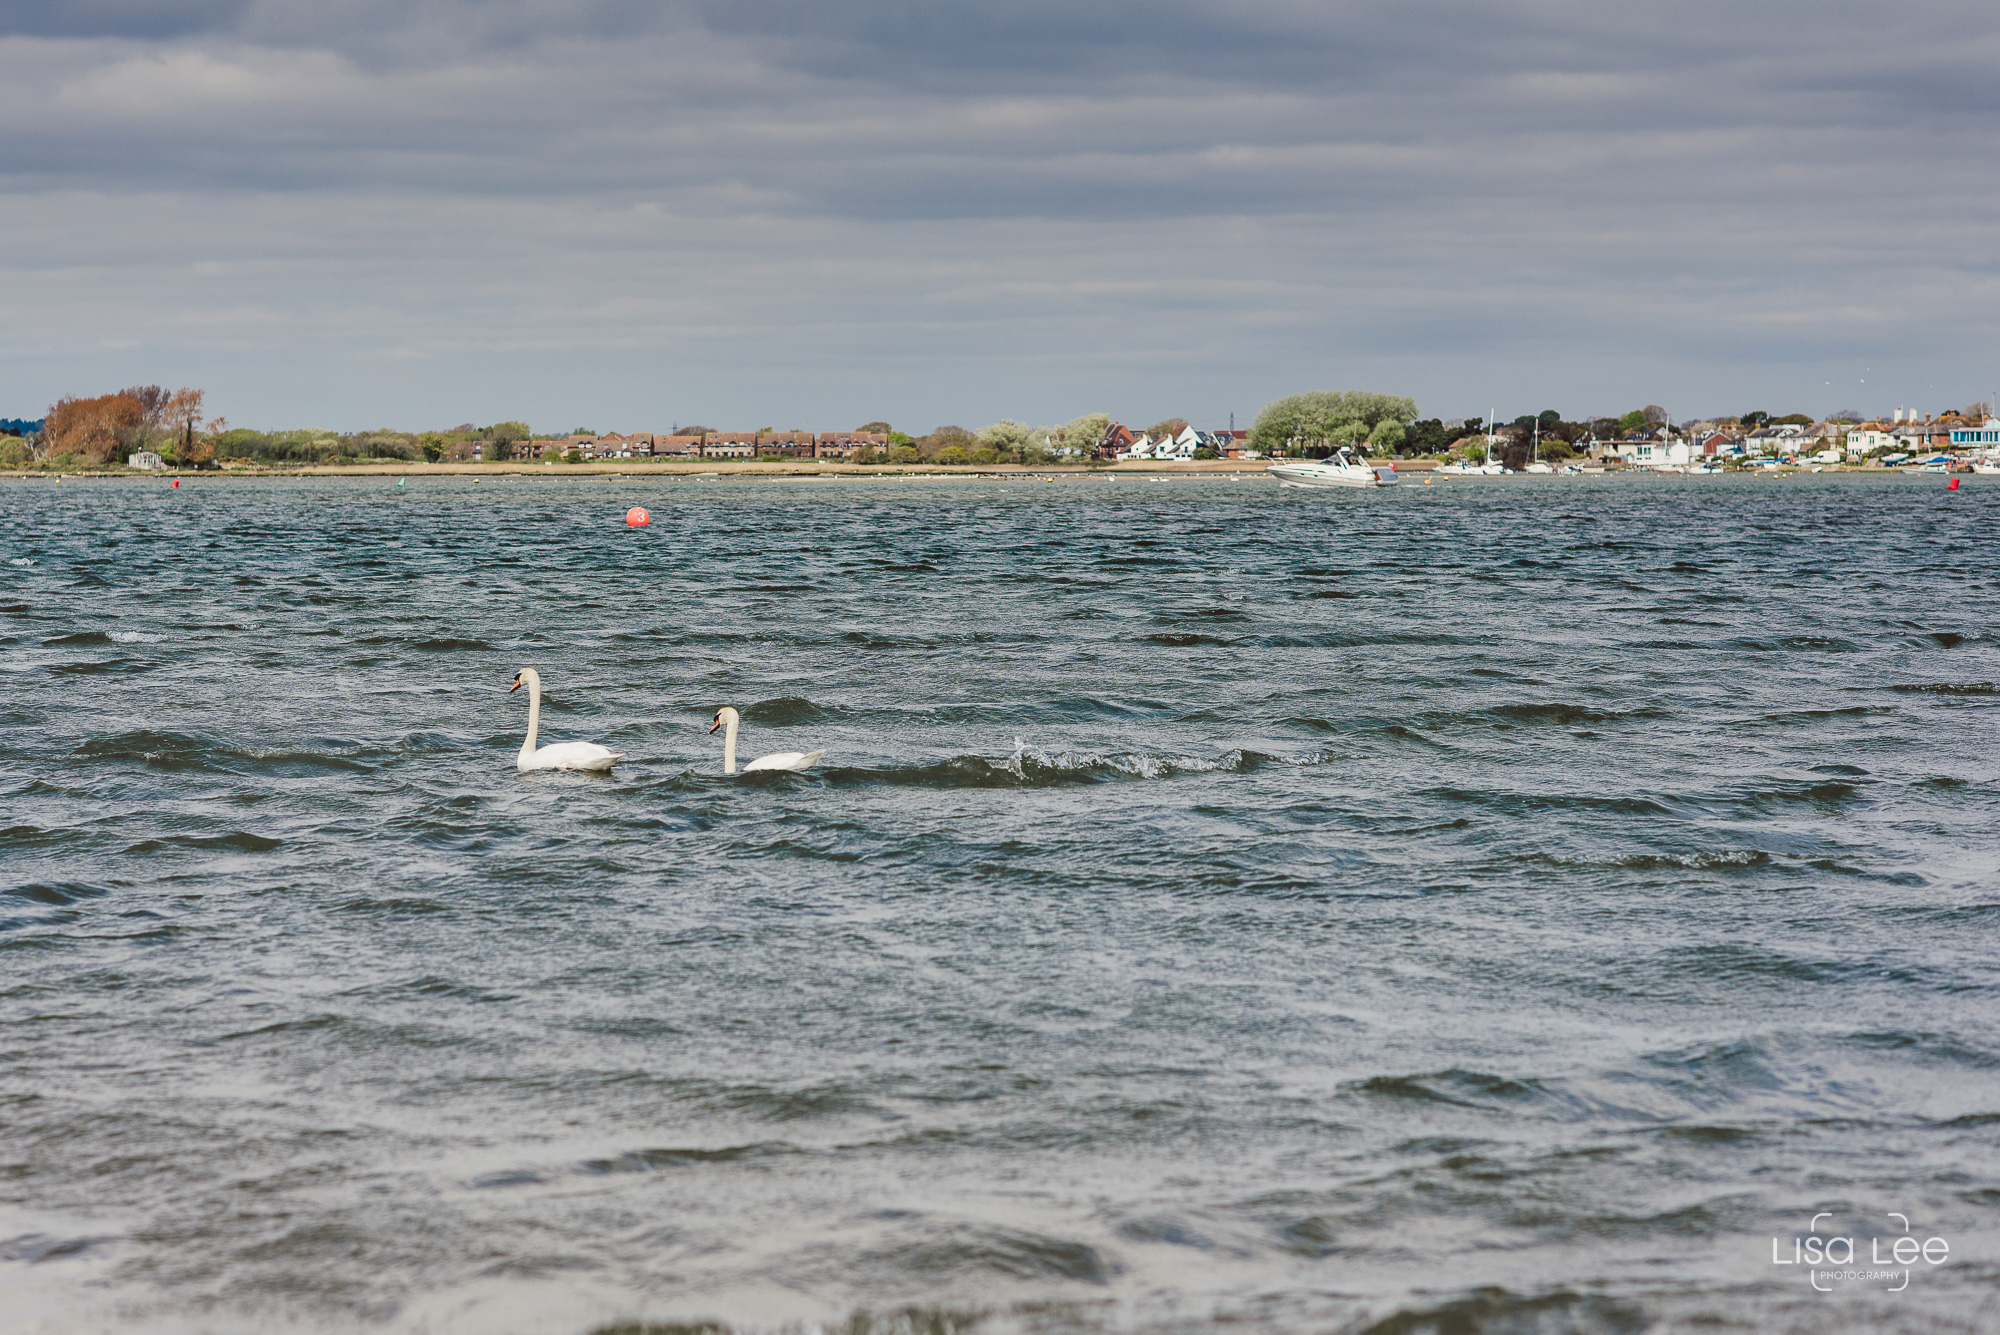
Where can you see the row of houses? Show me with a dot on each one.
(708, 445)
(1118, 442)
(1823, 442)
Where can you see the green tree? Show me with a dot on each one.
(903, 454)
(432, 445)
(1632, 421)
(1426, 437)
(875, 428)
(1083, 433)
(1387, 435)
(1323, 418)
(242, 443)
(1005, 434)
(952, 454)
(944, 438)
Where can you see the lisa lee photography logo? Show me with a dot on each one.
(1879, 1259)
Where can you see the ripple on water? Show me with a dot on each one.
(1217, 909)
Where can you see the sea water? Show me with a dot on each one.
(1502, 905)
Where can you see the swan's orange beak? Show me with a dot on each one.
(515, 687)
(718, 723)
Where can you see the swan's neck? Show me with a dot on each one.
(729, 748)
(534, 718)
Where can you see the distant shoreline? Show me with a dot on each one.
(794, 470)
(692, 469)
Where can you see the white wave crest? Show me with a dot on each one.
(1027, 763)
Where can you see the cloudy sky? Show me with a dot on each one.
(624, 214)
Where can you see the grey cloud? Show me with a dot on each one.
(1224, 199)
(137, 19)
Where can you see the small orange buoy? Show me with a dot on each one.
(176, 482)
(1951, 485)
(637, 518)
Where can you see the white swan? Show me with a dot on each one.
(726, 717)
(557, 755)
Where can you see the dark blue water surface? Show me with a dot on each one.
(1503, 905)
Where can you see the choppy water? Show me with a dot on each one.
(1497, 906)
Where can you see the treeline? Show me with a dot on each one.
(1546, 435)
(107, 429)
(1003, 442)
(1385, 424)
(1382, 424)
(309, 446)
(104, 431)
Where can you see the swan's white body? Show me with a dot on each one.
(728, 719)
(557, 755)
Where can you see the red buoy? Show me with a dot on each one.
(176, 482)
(1951, 485)
(637, 518)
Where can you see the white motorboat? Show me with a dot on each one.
(1986, 468)
(1340, 470)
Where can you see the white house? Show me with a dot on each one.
(145, 459)
(1861, 443)
(1788, 438)
(1653, 453)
